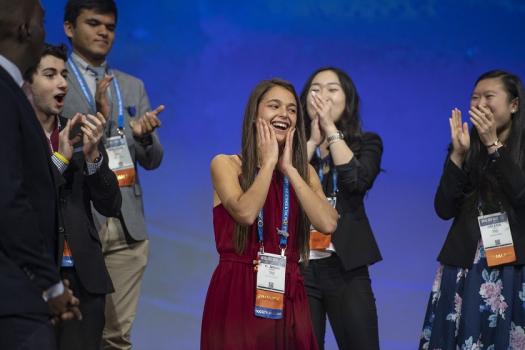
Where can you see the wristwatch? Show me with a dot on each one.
(335, 137)
(496, 143)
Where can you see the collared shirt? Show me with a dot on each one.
(12, 69)
(88, 75)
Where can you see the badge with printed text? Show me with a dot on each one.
(319, 240)
(269, 295)
(120, 160)
(497, 239)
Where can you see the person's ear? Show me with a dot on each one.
(69, 29)
(514, 105)
(23, 32)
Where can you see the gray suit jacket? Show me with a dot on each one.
(136, 103)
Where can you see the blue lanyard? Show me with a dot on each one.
(283, 232)
(89, 98)
(321, 173)
(120, 105)
(83, 85)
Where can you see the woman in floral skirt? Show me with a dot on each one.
(474, 305)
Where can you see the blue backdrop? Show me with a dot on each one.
(412, 62)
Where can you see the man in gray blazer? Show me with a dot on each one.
(94, 85)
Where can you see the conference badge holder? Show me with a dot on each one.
(120, 160)
(497, 239)
(271, 269)
(269, 295)
(319, 240)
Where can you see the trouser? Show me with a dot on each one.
(87, 333)
(27, 332)
(126, 261)
(347, 298)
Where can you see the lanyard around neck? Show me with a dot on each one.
(283, 231)
(321, 172)
(89, 97)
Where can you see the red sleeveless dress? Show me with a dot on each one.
(228, 320)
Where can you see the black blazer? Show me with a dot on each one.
(464, 234)
(77, 191)
(353, 240)
(28, 207)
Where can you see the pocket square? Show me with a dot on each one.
(132, 111)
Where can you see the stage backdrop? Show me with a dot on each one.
(412, 62)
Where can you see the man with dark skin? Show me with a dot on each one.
(32, 296)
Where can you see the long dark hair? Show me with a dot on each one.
(350, 122)
(249, 159)
(483, 183)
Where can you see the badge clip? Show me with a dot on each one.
(282, 233)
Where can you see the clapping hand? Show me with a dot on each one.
(460, 138)
(93, 128)
(145, 125)
(66, 140)
(101, 96)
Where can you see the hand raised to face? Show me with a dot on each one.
(267, 146)
(485, 124)
(316, 136)
(322, 110)
(286, 159)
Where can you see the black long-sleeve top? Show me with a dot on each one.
(354, 240)
(451, 202)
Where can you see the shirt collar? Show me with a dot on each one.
(12, 69)
(82, 62)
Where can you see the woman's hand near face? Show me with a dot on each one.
(460, 138)
(484, 122)
(322, 110)
(316, 136)
(286, 159)
(267, 147)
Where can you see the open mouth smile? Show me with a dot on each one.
(280, 125)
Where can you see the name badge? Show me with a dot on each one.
(120, 160)
(67, 257)
(319, 240)
(497, 239)
(269, 295)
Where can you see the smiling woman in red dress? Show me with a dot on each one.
(253, 189)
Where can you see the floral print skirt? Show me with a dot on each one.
(481, 308)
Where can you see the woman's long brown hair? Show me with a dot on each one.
(249, 160)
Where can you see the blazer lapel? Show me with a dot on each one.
(74, 83)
